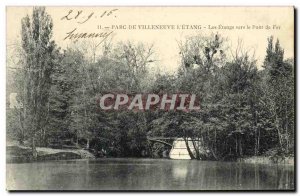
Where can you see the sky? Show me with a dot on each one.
(210, 19)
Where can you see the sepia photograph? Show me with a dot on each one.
(160, 98)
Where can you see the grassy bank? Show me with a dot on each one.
(268, 160)
(20, 154)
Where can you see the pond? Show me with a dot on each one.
(148, 174)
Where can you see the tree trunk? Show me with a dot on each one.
(213, 153)
(33, 147)
(88, 144)
(22, 137)
(188, 148)
(258, 141)
(77, 138)
(278, 132)
(255, 145)
(236, 146)
(286, 129)
(256, 136)
(196, 149)
(215, 143)
(240, 146)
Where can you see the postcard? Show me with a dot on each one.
(150, 98)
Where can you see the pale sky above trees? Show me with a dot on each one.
(165, 41)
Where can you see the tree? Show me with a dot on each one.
(278, 99)
(207, 52)
(240, 75)
(41, 56)
(66, 79)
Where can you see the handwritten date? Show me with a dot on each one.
(81, 17)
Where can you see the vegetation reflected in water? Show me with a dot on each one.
(148, 174)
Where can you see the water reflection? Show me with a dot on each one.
(148, 174)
